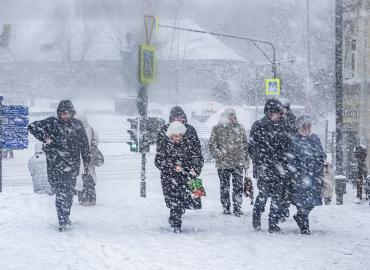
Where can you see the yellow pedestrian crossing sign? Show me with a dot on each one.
(146, 64)
(272, 87)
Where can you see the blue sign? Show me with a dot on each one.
(15, 124)
(15, 110)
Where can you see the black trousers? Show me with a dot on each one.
(270, 184)
(64, 197)
(302, 217)
(237, 181)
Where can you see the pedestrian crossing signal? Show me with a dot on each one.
(133, 146)
(272, 87)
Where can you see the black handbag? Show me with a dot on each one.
(97, 158)
(248, 188)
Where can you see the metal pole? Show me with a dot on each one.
(364, 85)
(274, 73)
(143, 176)
(339, 85)
(308, 40)
(1, 148)
(326, 135)
(253, 40)
(142, 107)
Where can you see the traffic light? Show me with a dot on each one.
(148, 131)
(134, 142)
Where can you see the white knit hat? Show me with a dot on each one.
(175, 127)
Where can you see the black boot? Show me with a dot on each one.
(237, 212)
(302, 224)
(226, 211)
(256, 222)
(274, 228)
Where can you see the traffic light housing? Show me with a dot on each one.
(134, 142)
(148, 131)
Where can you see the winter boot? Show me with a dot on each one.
(62, 228)
(177, 229)
(237, 212)
(303, 226)
(170, 222)
(327, 201)
(256, 222)
(69, 222)
(273, 228)
(227, 211)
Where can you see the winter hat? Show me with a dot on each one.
(177, 111)
(225, 116)
(176, 127)
(273, 106)
(66, 106)
(285, 102)
(38, 148)
(303, 119)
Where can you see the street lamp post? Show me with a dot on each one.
(339, 86)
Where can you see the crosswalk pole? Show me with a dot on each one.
(1, 145)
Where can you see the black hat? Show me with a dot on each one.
(66, 106)
(273, 106)
(177, 111)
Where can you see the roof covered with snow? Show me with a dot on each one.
(101, 40)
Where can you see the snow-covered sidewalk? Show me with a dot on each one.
(124, 231)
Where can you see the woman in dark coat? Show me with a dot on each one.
(306, 160)
(191, 136)
(178, 159)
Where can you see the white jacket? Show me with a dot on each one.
(38, 169)
(328, 182)
(93, 139)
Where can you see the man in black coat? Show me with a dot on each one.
(268, 148)
(178, 114)
(65, 141)
(290, 128)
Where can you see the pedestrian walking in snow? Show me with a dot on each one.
(360, 154)
(288, 118)
(228, 146)
(38, 170)
(87, 196)
(178, 159)
(65, 141)
(268, 148)
(328, 183)
(191, 136)
(289, 127)
(306, 162)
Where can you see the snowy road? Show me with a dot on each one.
(124, 231)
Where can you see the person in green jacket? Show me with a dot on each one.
(228, 146)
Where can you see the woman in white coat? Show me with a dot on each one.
(87, 196)
(328, 183)
(38, 170)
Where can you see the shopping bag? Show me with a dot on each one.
(197, 188)
(195, 192)
(248, 188)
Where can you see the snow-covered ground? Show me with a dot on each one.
(125, 231)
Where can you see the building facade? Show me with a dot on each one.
(356, 75)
